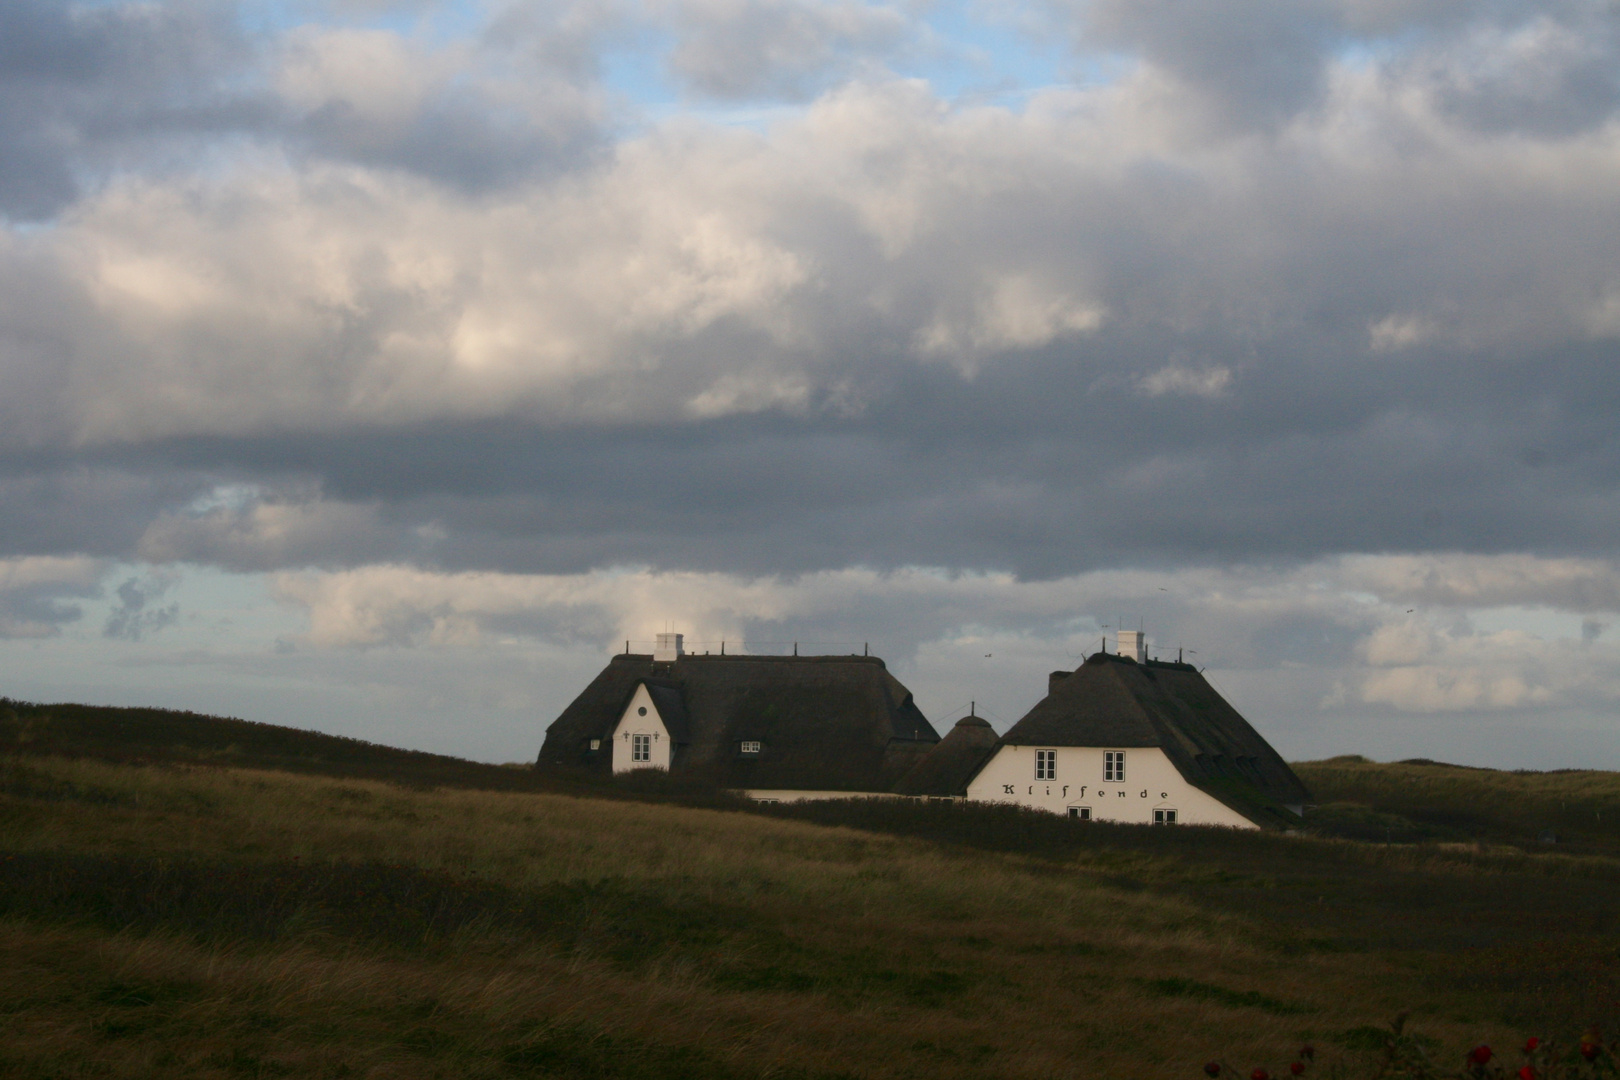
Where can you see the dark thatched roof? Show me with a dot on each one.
(947, 768)
(1112, 701)
(826, 723)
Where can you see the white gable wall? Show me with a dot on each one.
(1152, 782)
(640, 718)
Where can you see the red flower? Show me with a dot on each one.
(1259, 1074)
(1531, 1044)
(1480, 1055)
(1297, 1067)
(1308, 1052)
(1213, 1068)
(1589, 1050)
(1527, 1073)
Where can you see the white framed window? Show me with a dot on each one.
(596, 744)
(641, 748)
(750, 746)
(1046, 764)
(1164, 817)
(1081, 813)
(1113, 766)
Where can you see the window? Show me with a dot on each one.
(1083, 813)
(596, 744)
(1114, 767)
(642, 711)
(750, 746)
(641, 748)
(1164, 817)
(1046, 764)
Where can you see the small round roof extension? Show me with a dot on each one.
(972, 721)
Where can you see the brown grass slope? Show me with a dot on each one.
(171, 919)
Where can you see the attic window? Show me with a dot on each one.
(1046, 764)
(750, 746)
(596, 744)
(1164, 817)
(1114, 767)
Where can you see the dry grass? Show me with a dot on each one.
(710, 944)
(1580, 806)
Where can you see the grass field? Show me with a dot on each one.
(172, 918)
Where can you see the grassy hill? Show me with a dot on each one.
(162, 914)
(1566, 810)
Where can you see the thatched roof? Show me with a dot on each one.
(1112, 701)
(826, 723)
(947, 768)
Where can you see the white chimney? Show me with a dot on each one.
(1133, 643)
(669, 648)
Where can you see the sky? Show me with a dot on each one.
(382, 367)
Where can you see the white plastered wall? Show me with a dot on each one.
(1151, 783)
(640, 718)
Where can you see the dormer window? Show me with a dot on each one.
(750, 746)
(596, 744)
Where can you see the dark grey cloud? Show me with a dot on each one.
(137, 613)
(90, 90)
(83, 87)
(888, 335)
(1546, 68)
(1256, 60)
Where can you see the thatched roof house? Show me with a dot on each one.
(946, 769)
(801, 723)
(1191, 754)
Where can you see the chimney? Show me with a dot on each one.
(669, 648)
(1133, 643)
(1053, 679)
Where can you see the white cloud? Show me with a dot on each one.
(1209, 382)
(1363, 651)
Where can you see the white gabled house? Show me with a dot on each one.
(779, 728)
(1128, 739)
(644, 737)
(1138, 785)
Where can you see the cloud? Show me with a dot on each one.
(83, 85)
(438, 304)
(746, 49)
(1310, 638)
(1476, 581)
(131, 618)
(36, 594)
(1211, 382)
(246, 529)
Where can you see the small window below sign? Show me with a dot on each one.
(750, 747)
(1083, 813)
(1164, 817)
